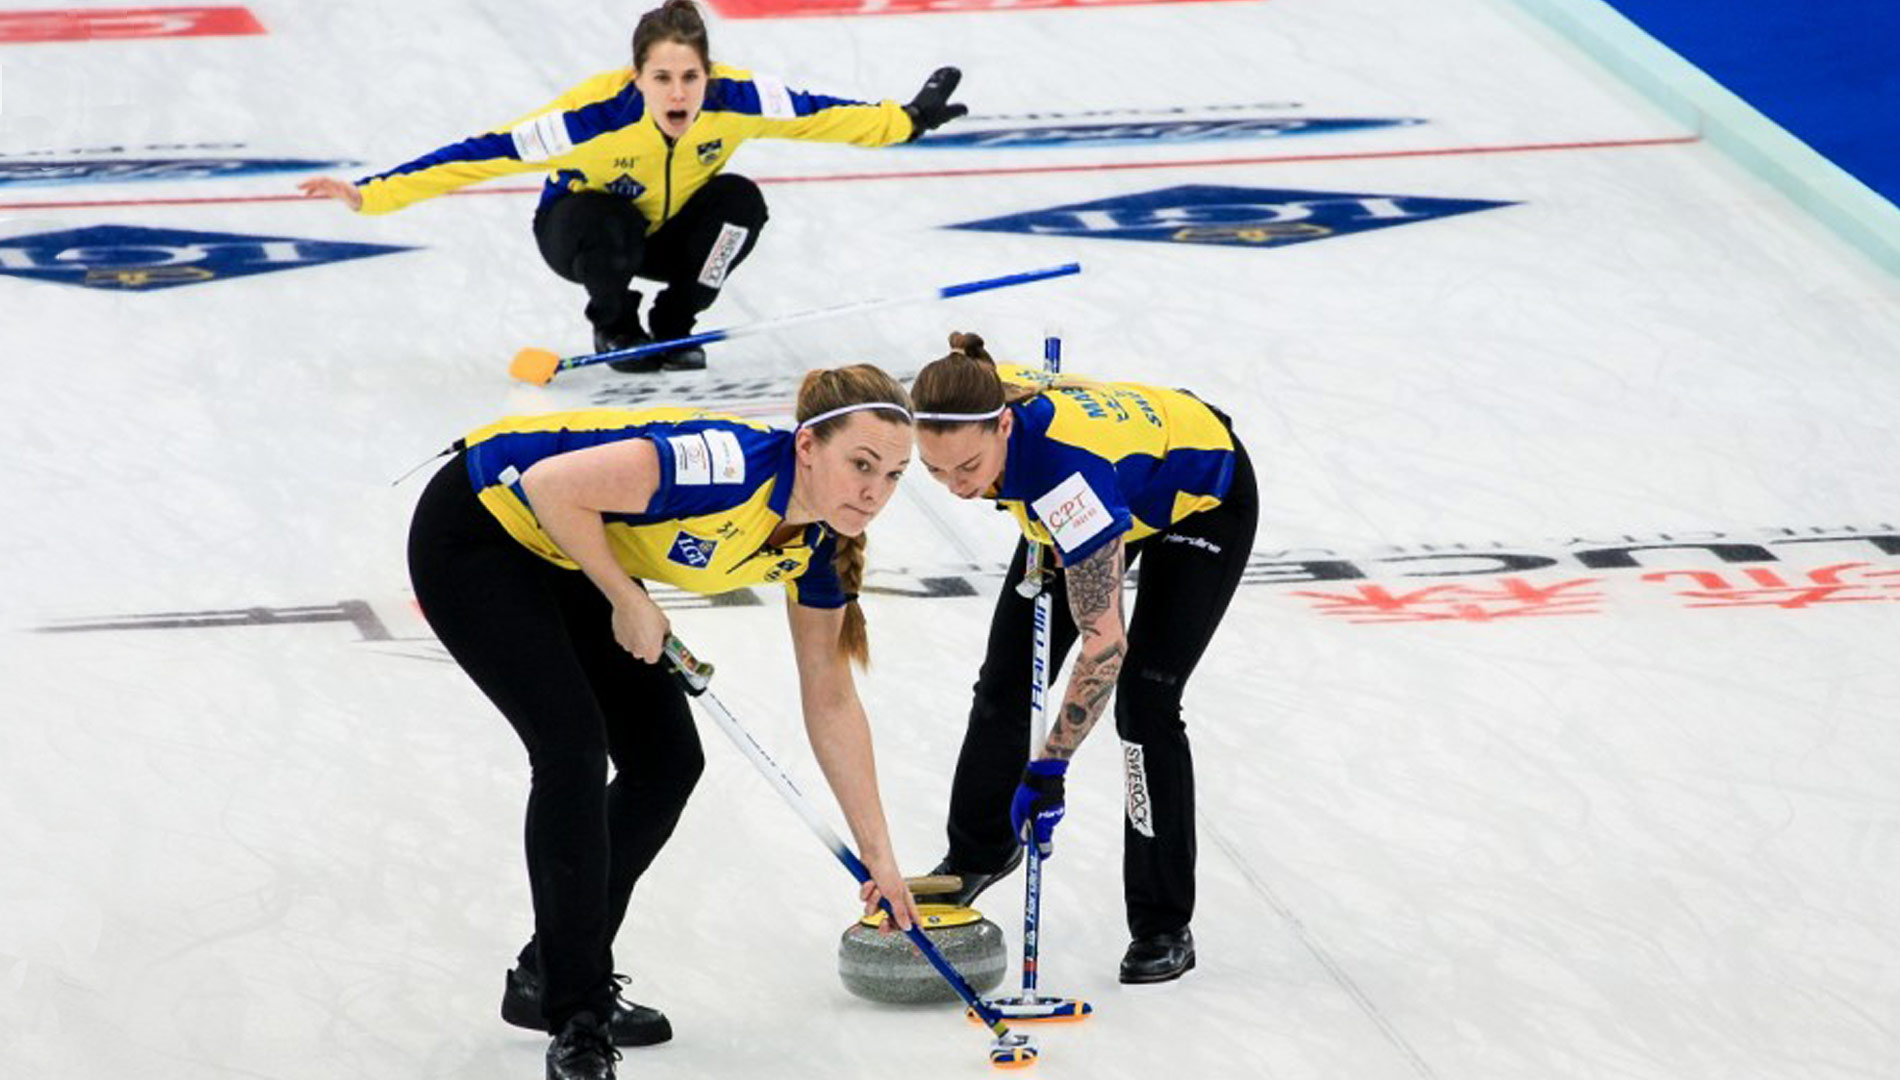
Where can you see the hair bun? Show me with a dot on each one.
(970, 345)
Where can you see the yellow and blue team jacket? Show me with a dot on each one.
(1090, 461)
(598, 137)
(724, 484)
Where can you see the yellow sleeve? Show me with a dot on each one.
(773, 110)
(537, 141)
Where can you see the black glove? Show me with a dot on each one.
(931, 107)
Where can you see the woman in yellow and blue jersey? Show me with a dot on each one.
(635, 183)
(529, 552)
(1102, 473)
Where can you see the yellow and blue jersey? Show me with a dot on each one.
(724, 485)
(1091, 461)
(598, 137)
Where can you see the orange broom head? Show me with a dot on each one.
(534, 365)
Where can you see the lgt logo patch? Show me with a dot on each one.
(625, 186)
(693, 551)
(130, 257)
(1239, 217)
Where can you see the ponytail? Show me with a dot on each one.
(964, 382)
(854, 639)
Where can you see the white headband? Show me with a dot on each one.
(961, 417)
(861, 406)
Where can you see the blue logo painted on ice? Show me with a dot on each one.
(1240, 217)
(1152, 131)
(131, 257)
(27, 173)
(693, 551)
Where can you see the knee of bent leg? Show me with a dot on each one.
(1147, 704)
(569, 765)
(740, 200)
(684, 768)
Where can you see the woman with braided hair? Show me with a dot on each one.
(1102, 474)
(528, 553)
(636, 182)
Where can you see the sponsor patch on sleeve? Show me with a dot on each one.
(542, 138)
(727, 457)
(1073, 512)
(775, 101)
(692, 460)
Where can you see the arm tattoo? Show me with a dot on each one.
(1095, 590)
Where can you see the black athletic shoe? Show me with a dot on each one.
(1158, 957)
(630, 1024)
(691, 358)
(606, 341)
(974, 881)
(581, 1051)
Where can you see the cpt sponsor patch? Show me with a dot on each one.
(1233, 216)
(130, 257)
(1072, 512)
(707, 457)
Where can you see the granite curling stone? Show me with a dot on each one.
(886, 967)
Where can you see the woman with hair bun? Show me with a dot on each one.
(636, 187)
(529, 552)
(1103, 474)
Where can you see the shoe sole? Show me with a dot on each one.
(1143, 980)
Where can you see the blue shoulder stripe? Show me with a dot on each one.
(608, 114)
(742, 96)
(488, 147)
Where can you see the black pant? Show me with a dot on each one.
(1188, 573)
(600, 241)
(538, 640)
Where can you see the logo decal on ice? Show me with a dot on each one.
(131, 257)
(1164, 131)
(17, 173)
(1135, 771)
(693, 551)
(1240, 217)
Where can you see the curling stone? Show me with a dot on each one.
(886, 967)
